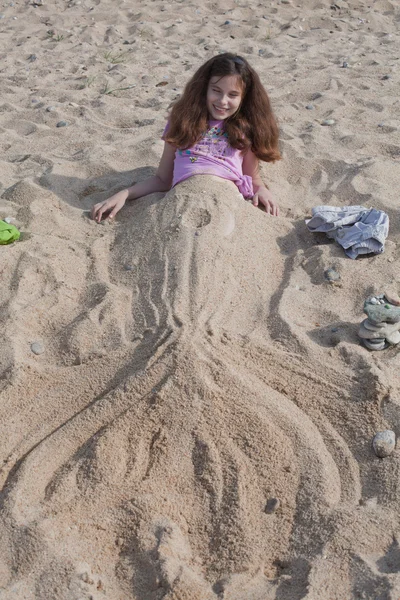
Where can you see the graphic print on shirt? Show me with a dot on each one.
(214, 143)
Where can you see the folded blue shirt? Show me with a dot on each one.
(359, 230)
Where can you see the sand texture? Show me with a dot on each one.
(199, 422)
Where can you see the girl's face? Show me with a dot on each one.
(224, 95)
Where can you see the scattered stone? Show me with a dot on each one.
(8, 220)
(62, 124)
(37, 2)
(144, 122)
(386, 77)
(272, 505)
(392, 297)
(129, 267)
(227, 23)
(51, 109)
(345, 65)
(328, 122)
(316, 95)
(32, 58)
(37, 348)
(335, 329)
(310, 107)
(331, 275)
(74, 104)
(384, 443)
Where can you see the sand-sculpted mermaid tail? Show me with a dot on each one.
(175, 439)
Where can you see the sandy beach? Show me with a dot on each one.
(186, 409)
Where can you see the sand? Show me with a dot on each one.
(199, 423)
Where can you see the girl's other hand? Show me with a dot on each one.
(264, 198)
(109, 208)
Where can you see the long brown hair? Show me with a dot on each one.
(253, 126)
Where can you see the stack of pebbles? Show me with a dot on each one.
(382, 327)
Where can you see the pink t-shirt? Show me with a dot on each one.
(212, 155)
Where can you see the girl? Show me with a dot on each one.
(222, 125)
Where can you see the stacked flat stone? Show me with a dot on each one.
(382, 327)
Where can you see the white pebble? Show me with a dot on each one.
(384, 443)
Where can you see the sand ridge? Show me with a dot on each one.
(197, 365)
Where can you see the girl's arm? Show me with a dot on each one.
(262, 195)
(160, 182)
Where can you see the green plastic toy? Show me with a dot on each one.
(8, 233)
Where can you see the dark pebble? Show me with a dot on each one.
(272, 505)
(62, 124)
(128, 267)
(345, 65)
(227, 23)
(385, 77)
(310, 107)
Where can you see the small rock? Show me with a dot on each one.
(272, 505)
(384, 443)
(391, 296)
(51, 109)
(328, 122)
(37, 348)
(345, 65)
(32, 58)
(381, 313)
(386, 77)
(8, 220)
(128, 267)
(310, 107)
(331, 275)
(227, 23)
(335, 329)
(2, 16)
(62, 124)
(74, 104)
(316, 95)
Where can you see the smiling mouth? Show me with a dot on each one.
(220, 109)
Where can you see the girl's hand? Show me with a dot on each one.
(264, 198)
(111, 206)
